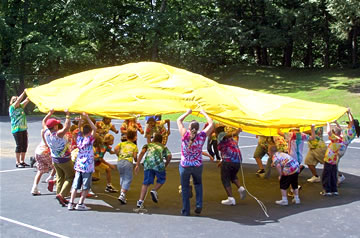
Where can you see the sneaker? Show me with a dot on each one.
(296, 201)
(32, 162)
(140, 204)
(230, 201)
(71, 206)
(94, 179)
(242, 192)
(51, 185)
(63, 202)
(325, 194)
(35, 192)
(122, 198)
(20, 165)
(314, 179)
(24, 164)
(282, 202)
(81, 207)
(90, 193)
(335, 193)
(197, 210)
(154, 196)
(110, 189)
(341, 179)
(260, 172)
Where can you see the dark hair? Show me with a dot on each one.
(151, 119)
(219, 129)
(98, 141)
(60, 126)
(158, 138)
(357, 127)
(194, 127)
(130, 135)
(87, 129)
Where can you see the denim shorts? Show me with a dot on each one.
(82, 179)
(125, 169)
(149, 176)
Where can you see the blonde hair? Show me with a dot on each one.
(108, 138)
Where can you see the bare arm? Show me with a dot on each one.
(280, 133)
(180, 123)
(312, 137)
(351, 119)
(168, 124)
(93, 127)
(141, 155)
(16, 104)
(168, 159)
(278, 168)
(66, 128)
(25, 102)
(46, 118)
(210, 127)
(328, 129)
(114, 129)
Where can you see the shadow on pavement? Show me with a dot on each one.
(246, 211)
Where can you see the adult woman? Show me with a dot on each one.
(60, 154)
(191, 160)
(19, 128)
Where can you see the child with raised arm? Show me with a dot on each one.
(130, 125)
(104, 126)
(154, 166)
(230, 164)
(127, 153)
(288, 168)
(101, 146)
(329, 176)
(157, 127)
(84, 164)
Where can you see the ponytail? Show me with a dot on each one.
(194, 127)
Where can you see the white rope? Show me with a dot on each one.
(263, 207)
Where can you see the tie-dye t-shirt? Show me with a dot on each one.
(191, 155)
(280, 143)
(288, 164)
(17, 118)
(85, 158)
(296, 144)
(126, 151)
(99, 153)
(349, 135)
(230, 151)
(333, 150)
(59, 147)
(155, 155)
(104, 128)
(318, 142)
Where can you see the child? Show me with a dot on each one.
(329, 176)
(100, 148)
(230, 164)
(127, 153)
(260, 151)
(296, 140)
(44, 165)
(130, 125)
(104, 126)
(154, 127)
(153, 166)
(288, 168)
(84, 164)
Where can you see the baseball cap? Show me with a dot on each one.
(50, 123)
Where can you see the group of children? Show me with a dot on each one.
(90, 140)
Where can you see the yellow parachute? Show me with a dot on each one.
(149, 88)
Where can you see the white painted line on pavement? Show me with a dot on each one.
(32, 227)
(358, 148)
(15, 170)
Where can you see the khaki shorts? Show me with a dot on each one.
(259, 152)
(315, 156)
(100, 168)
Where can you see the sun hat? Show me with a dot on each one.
(50, 123)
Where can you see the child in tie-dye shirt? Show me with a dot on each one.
(288, 168)
(230, 164)
(84, 163)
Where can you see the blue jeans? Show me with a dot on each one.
(196, 173)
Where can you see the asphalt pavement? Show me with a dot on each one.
(24, 215)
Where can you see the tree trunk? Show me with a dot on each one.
(354, 47)
(326, 36)
(264, 56)
(3, 98)
(258, 55)
(288, 50)
(308, 59)
(155, 47)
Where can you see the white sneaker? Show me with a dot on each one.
(35, 192)
(242, 192)
(314, 179)
(296, 201)
(81, 207)
(341, 179)
(282, 202)
(229, 201)
(71, 206)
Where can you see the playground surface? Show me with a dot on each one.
(24, 215)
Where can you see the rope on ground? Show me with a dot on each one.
(263, 207)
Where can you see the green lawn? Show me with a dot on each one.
(332, 86)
